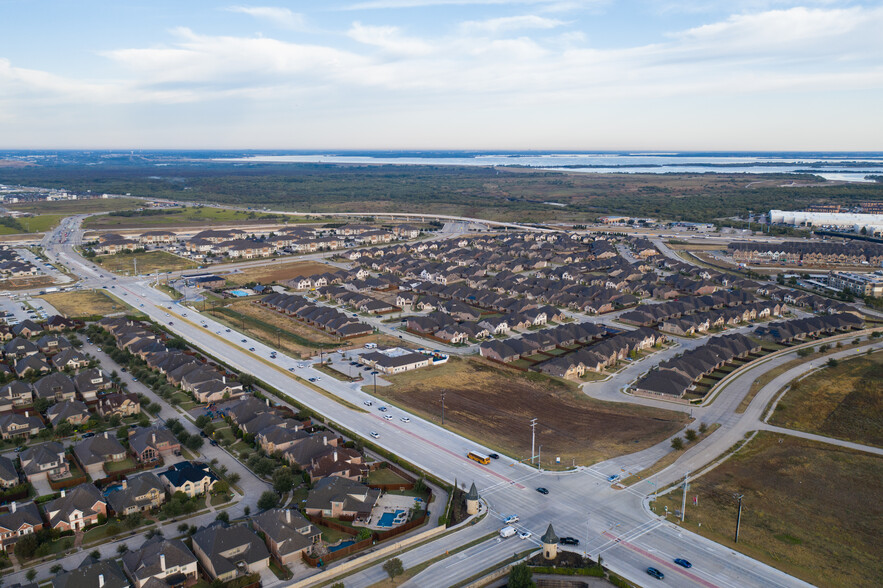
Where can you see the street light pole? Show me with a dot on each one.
(684, 499)
(375, 382)
(533, 438)
(738, 515)
(443, 408)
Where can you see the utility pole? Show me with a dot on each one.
(738, 515)
(135, 261)
(443, 408)
(533, 438)
(684, 498)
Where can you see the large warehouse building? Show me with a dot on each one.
(843, 220)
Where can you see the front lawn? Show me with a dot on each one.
(116, 466)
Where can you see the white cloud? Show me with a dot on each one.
(281, 17)
(495, 26)
(389, 39)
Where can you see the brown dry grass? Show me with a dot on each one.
(148, 262)
(278, 272)
(809, 509)
(26, 283)
(845, 401)
(85, 303)
(493, 404)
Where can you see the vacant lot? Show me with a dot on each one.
(68, 207)
(274, 271)
(148, 262)
(844, 401)
(494, 404)
(26, 283)
(188, 216)
(85, 303)
(30, 224)
(810, 509)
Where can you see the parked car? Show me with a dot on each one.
(542, 490)
(683, 563)
(613, 478)
(213, 442)
(655, 573)
(87, 435)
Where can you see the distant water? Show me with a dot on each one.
(852, 167)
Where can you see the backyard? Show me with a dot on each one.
(809, 509)
(493, 404)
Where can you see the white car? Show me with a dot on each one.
(524, 534)
(375, 434)
(368, 403)
(511, 519)
(387, 417)
(405, 420)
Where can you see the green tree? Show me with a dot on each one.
(182, 528)
(283, 479)
(194, 442)
(268, 500)
(804, 352)
(56, 569)
(95, 554)
(393, 567)
(122, 548)
(246, 510)
(520, 576)
(690, 434)
(32, 573)
(832, 363)
(223, 516)
(677, 443)
(202, 421)
(26, 546)
(703, 427)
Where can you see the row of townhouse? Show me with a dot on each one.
(808, 252)
(355, 300)
(600, 355)
(512, 349)
(680, 374)
(653, 314)
(798, 329)
(702, 322)
(328, 319)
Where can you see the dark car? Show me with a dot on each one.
(202, 434)
(494, 456)
(213, 442)
(87, 435)
(683, 563)
(543, 490)
(655, 573)
(568, 541)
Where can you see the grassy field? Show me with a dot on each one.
(85, 303)
(27, 283)
(845, 401)
(32, 224)
(277, 272)
(186, 216)
(148, 262)
(810, 509)
(494, 404)
(385, 476)
(69, 207)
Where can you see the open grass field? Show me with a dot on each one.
(148, 262)
(493, 404)
(32, 224)
(189, 216)
(810, 509)
(272, 271)
(845, 401)
(84, 303)
(26, 283)
(68, 207)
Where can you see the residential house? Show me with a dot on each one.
(77, 508)
(167, 562)
(45, 462)
(287, 532)
(227, 552)
(55, 387)
(149, 443)
(137, 494)
(70, 359)
(94, 452)
(118, 403)
(24, 425)
(69, 411)
(8, 474)
(32, 364)
(93, 574)
(16, 393)
(341, 498)
(20, 520)
(191, 478)
(90, 382)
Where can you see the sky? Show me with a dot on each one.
(442, 74)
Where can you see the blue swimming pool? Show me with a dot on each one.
(239, 293)
(387, 518)
(341, 546)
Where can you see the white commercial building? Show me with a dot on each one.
(842, 220)
(861, 284)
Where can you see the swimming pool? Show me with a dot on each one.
(239, 293)
(387, 518)
(341, 545)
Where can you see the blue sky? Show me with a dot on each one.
(442, 74)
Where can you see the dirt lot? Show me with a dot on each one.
(85, 303)
(844, 402)
(26, 283)
(278, 272)
(810, 509)
(148, 262)
(493, 404)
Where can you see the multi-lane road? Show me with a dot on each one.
(581, 503)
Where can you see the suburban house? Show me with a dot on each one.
(19, 425)
(93, 574)
(46, 461)
(394, 363)
(191, 478)
(341, 498)
(149, 443)
(55, 387)
(168, 562)
(94, 452)
(288, 533)
(137, 494)
(118, 403)
(90, 382)
(19, 521)
(227, 552)
(8, 474)
(76, 508)
(69, 411)
(16, 393)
